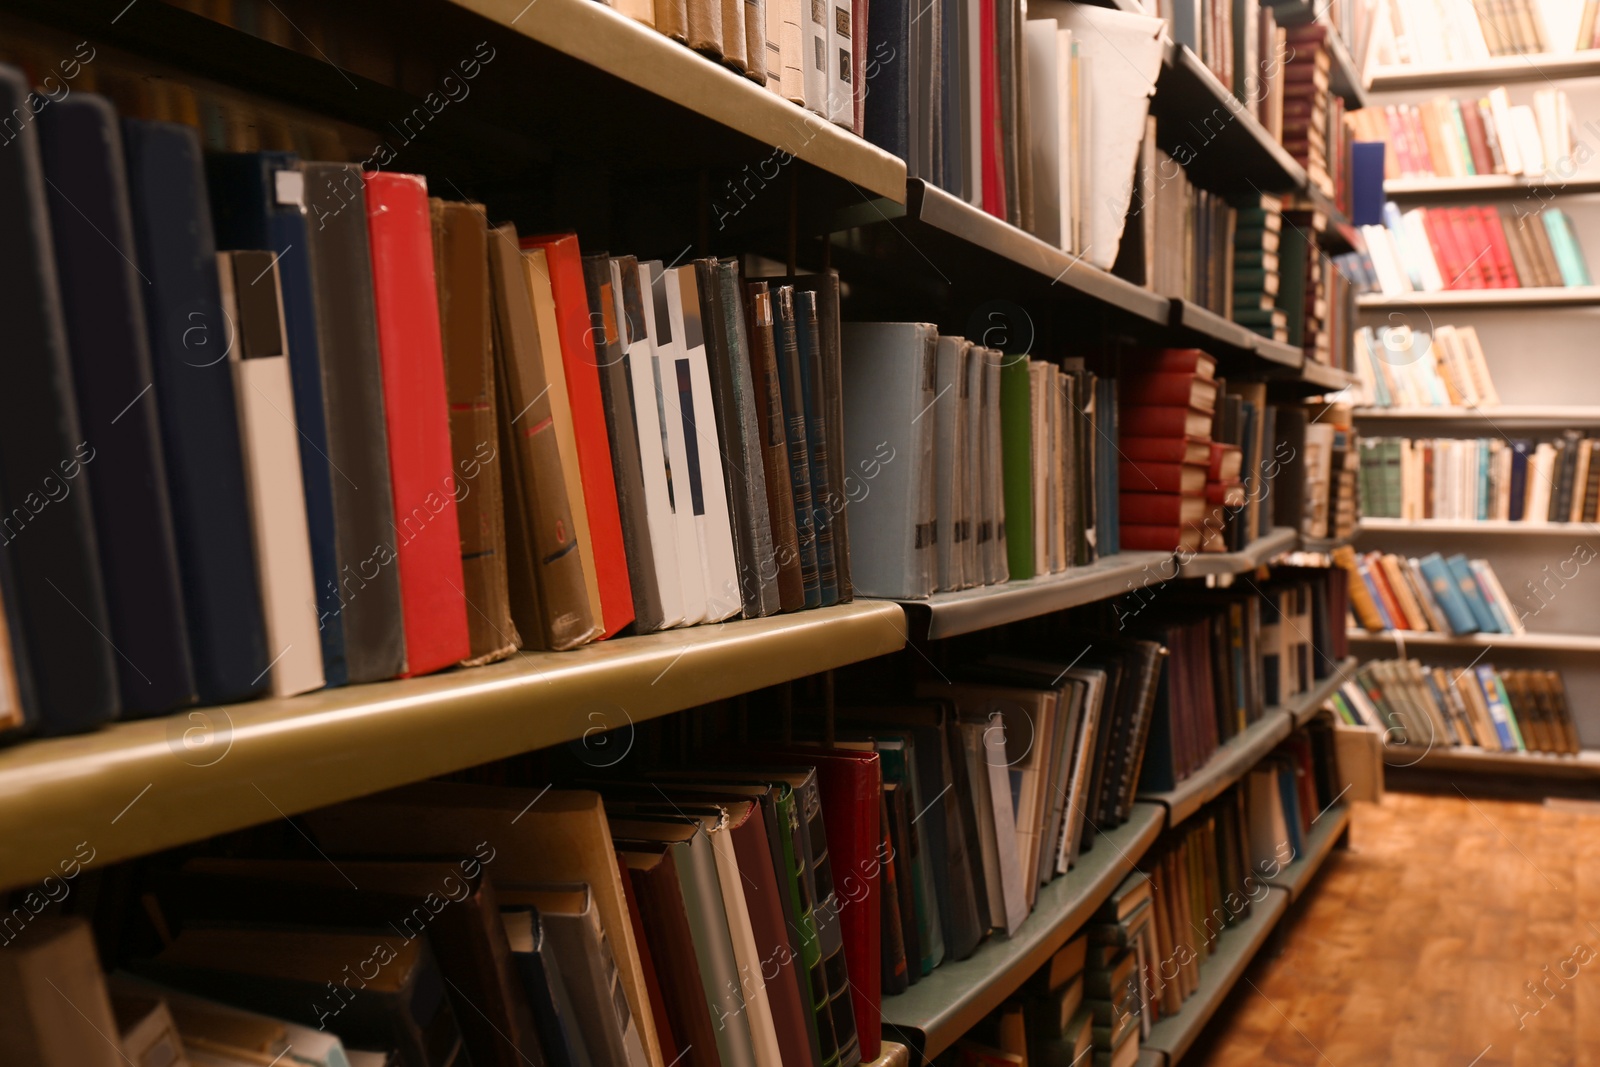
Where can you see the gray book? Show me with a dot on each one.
(889, 374)
(978, 531)
(996, 567)
(953, 463)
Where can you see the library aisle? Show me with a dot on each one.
(1417, 944)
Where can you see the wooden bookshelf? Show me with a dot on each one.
(1226, 766)
(1330, 378)
(134, 788)
(1515, 299)
(967, 610)
(1530, 641)
(1230, 149)
(1488, 186)
(933, 1014)
(1477, 526)
(1304, 707)
(1280, 353)
(1326, 831)
(1502, 414)
(1548, 67)
(1262, 550)
(1471, 760)
(1236, 946)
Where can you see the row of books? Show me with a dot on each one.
(1400, 367)
(1478, 707)
(1454, 596)
(1434, 249)
(1437, 33)
(1191, 237)
(1474, 479)
(1452, 138)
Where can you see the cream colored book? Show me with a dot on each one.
(57, 1013)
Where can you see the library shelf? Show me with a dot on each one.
(1472, 760)
(1330, 378)
(1512, 642)
(1262, 550)
(966, 610)
(136, 788)
(1280, 353)
(1208, 330)
(1149, 1057)
(1475, 526)
(1488, 185)
(1236, 946)
(1206, 128)
(933, 1014)
(1541, 296)
(1500, 414)
(1545, 67)
(1227, 765)
(1326, 829)
(1303, 707)
(1326, 545)
(1344, 79)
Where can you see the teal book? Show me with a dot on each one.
(1569, 257)
(1447, 591)
(1463, 578)
(1016, 463)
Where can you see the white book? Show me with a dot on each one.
(666, 348)
(659, 519)
(1381, 249)
(951, 459)
(258, 352)
(720, 569)
(1500, 110)
(1076, 814)
(1525, 130)
(815, 48)
(1049, 54)
(999, 568)
(973, 514)
(1420, 251)
(841, 100)
(972, 735)
(1538, 509)
(1007, 847)
(753, 986)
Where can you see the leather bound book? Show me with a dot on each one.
(368, 595)
(574, 281)
(735, 51)
(104, 315)
(258, 201)
(199, 420)
(755, 38)
(704, 29)
(733, 399)
(672, 18)
(461, 270)
(792, 394)
(420, 468)
(549, 602)
(258, 355)
(774, 447)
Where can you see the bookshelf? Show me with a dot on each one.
(1231, 149)
(1477, 527)
(1326, 830)
(1262, 550)
(1516, 299)
(1236, 946)
(1585, 765)
(1303, 708)
(1226, 766)
(1493, 71)
(185, 777)
(1210, 330)
(1487, 186)
(939, 1009)
(1548, 642)
(1504, 414)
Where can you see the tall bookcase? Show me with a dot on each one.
(1539, 346)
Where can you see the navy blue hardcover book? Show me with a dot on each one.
(952, 108)
(92, 230)
(199, 423)
(53, 591)
(1366, 183)
(536, 964)
(258, 202)
(886, 115)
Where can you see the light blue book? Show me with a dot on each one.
(1467, 582)
(1447, 593)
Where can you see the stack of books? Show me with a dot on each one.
(1453, 138)
(1472, 479)
(1454, 596)
(1257, 240)
(1166, 413)
(1400, 367)
(1122, 954)
(1310, 117)
(1481, 707)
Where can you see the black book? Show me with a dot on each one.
(792, 394)
(808, 327)
(117, 410)
(55, 603)
(367, 597)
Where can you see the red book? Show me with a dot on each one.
(1499, 249)
(1170, 389)
(647, 964)
(589, 423)
(1225, 494)
(992, 148)
(1147, 477)
(1223, 464)
(1138, 420)
(1380, 582)
(1160, 509)
(1166, 449)
(416, 416)
(1174, 360)
(1166, 538)
(1442, 240)
(1478, 246)
(1477, 138)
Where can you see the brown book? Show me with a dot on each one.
(1522, 261)
(735, 48)
(774, 446)
(672, 18)
(704, 27)
(757, 52)
(1557, 691)
(1477, 139)
(549, 600)
(647, 964)
(57, 1012)
(461, 269)
(1538, 239)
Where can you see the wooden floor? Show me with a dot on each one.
(1413, 946)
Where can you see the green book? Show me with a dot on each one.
(1292, 293)
(1458, 127)
(1259, 218)
(1260, 316)
(1254, 279)
(1016, 458)
(1253, 258)
(1511, 714)
(1569, 257)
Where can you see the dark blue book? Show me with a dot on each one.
(535, 961)
(1289, 794)
(55, 602)
(792, 395)
(92, 230)
(258, 202)
(1366, 183)
(808, 329)
(199, 423)
(952, 110)
(1521, 452)
(887, 113)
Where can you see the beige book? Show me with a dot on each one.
(735, 45)
(534, 836)
(1400, 585)
(146, 1031)
(638, 10)
(1477, 367)
(57, 1012)
(705, 27)
(672, 18)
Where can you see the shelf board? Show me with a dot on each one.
(1484, 526)
(1544, 642)
(1319, 844)
(1236, 946)
(1326, 545)
(634, 53)
(1330, 378)
(1149, 1057)
(949, 614)
(933, 1014)
(1548, 296)
(1303, 707)
(1469, 760)
(1547, 67)
(1280, 353)
(1213, 328)
(1200, 564)
(1222, 146)
(135, 788)
(1345, 77)
(1487, 185)
(1225, 766)
(1503, 414)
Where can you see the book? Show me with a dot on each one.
(564, 1034)
(786, 342)
(59, 1012)
(767, 392)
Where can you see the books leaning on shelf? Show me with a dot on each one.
(1434, 33)
(1479, 706)
(1400, 367)
(1460, 138)
(1454, 596)
(1430, 250)
(1473, 479)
